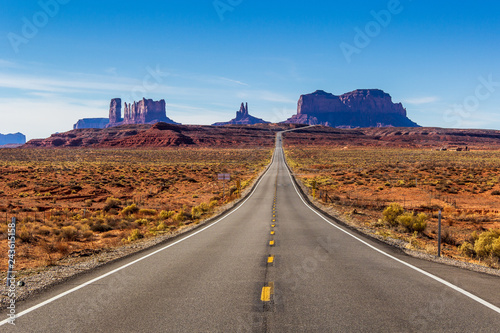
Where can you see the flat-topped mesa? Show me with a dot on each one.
(319, 102)
(372, 101)
(12, 139)
(359, 108)
(243, 118)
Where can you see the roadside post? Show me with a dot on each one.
(224, 177)
(12, 249)
(439, 233)
(238, 185)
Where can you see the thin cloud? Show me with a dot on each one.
(422, 100)
(111, 70)
(210, 79)
(7, 64)
(234, 81)
(270, 96)
(56, 85)
(33, 112)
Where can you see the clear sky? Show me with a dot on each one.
(62, 60)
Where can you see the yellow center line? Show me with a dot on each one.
(271, 243)
(265, 296)
(272, 232)
(273, 225)
(267, 292)
(270, 259)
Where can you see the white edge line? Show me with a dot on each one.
(438, 279)
(50, 300)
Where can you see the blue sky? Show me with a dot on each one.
(62, 60)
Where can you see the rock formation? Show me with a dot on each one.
(145, 111)
(12, 139)
(360, 108)
(243, 118)
(115, 111)
(91, 123)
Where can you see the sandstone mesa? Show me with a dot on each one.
(359, 108)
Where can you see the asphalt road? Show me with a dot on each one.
(227, 277)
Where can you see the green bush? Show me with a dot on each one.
(148, 212)
(69, 233)
(45, 230)
(135, 235)
(391, 213)
(87, 234)
(412, 222)
(100, 226)
(112, 203)
(204, 207)
(180, 216)
(488, 244)
(166, 214)
(132, 209)
(25, 235)
(196, 212)
(143, 222)
(467, 249)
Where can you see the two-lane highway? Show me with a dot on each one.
(321, 278)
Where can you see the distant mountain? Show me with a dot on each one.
(243, 118)
(91, 123)
(359, 108)
(146, 111)
(12, 139)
